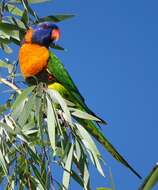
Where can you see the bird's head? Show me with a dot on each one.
(43, 34)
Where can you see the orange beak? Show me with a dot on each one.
(55, 34)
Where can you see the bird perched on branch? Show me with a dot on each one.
(38, 64)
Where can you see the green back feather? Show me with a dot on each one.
(56, 68)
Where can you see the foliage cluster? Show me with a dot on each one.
(39, 130)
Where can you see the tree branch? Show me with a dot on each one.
(11, 85)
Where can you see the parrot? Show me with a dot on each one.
(39, 64)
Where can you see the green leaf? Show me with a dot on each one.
(103, 188)
(30, 1)
(44, 174)
(4, 35)
(55, 18)
(67, 168)
(6, 48)
(36, 158)
(17, 111)
(13, 10)
(8, 27)
(86, 176)
(3, 108)
(18, 23)
(77, 150)
(25, 18)
(26, 111)
(8, 128)
(39, 179)
(82, 115)
(51, 120)
(38, 1)
(22, 97)
(91, 147)
(77, 178)
(30, 132)
(30, 124)
(56, 97)
(6, 65)
(151, 180)
(3, 163)
(29, 9)
(11, 31)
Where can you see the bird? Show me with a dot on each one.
(39, 64)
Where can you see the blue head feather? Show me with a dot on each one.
(42, 33)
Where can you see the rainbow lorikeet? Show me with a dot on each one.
(38, 64)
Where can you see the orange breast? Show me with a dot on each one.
(32, 58)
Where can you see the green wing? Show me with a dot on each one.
(56, 68)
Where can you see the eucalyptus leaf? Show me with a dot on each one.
(30, 132)
(4, 35)
(77, 178)
(86, 176)
(77, 150)
(30, 1)
(34, 155)
(6, 65)
(40, 181)
(67, 169)
(3, 108)
(58, 98)
(91, 147)
(9, 32)
(29, 9)
(51, 121)
(6, 48)
(151, 180)
(86, 137)
(17, 111)
(56, 18)
(13, 9)
(29, 126)
(18, 23)
(24, 116)
(4, 26)
(25, 18)
(103, 188)
(8, 128)
(22, 97)
(3, 164)
(38, 1)
(83, 115)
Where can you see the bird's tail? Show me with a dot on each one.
(95, 132)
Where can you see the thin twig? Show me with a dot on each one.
(11, 85)
(29, 183)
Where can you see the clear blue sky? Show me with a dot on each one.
(113, 58)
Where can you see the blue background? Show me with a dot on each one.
(112, 57)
